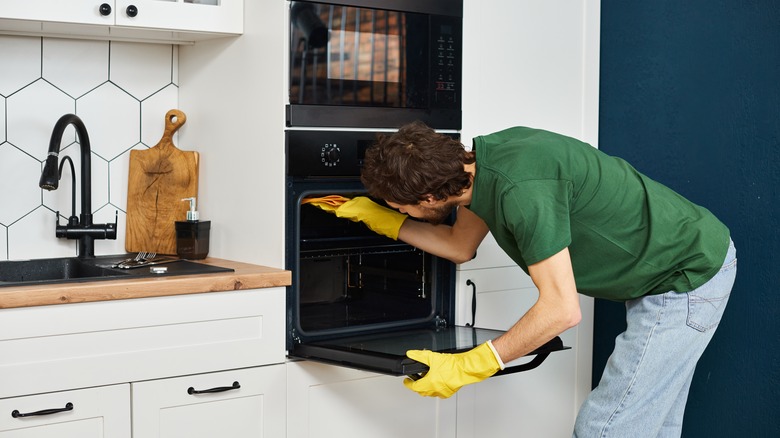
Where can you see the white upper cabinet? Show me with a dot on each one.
(181, 21)
(220, 16)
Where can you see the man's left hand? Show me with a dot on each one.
(449, 372)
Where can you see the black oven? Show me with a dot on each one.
(375, 64)
(357, 298)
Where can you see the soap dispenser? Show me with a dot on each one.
(192, 235)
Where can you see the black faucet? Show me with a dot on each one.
(82, 228)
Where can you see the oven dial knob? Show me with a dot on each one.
(331, 154)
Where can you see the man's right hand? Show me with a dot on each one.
(381, 220)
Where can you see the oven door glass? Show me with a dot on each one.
(386, 352)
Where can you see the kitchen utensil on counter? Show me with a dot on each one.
(144, 259)
(159, 178)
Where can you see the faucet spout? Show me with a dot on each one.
(84, 230)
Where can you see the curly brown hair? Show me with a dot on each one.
(414, 162)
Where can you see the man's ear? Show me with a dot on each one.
(429, 200)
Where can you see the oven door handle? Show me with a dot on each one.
(540, 354)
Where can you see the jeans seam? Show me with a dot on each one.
(636, 370)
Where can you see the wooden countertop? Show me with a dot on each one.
(245, 276)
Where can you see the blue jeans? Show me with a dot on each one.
(645, 384)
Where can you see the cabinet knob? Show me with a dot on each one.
(132, 11)
(105, 9)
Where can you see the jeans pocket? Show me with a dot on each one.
(707, 303)
(704, 313)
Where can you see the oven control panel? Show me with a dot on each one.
(313, 154)
(331, 154)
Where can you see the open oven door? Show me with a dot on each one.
(386, 352)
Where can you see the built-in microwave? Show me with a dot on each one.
(375, 64)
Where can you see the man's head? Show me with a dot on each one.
(416, 164)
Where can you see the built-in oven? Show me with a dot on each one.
(375, 64)
(357, 298)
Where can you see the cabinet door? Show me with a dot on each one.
(539, 402)
(236, 404)
(84, 413)
(221, 16)
(332, 401)
(63, 11)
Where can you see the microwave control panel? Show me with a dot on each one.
(446, 62)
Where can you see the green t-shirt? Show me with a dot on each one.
(628, 236)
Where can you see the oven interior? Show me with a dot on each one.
(349, 280)
(350, 277)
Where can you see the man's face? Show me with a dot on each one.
(435, 212)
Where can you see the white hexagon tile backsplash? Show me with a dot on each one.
(121, 91)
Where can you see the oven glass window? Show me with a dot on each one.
(343, 55)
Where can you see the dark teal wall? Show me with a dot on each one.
(690, 94)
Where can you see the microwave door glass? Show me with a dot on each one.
(343, 55)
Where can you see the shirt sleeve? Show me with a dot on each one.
(537, 213)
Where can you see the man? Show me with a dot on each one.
(577, 221)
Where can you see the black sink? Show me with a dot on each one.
(73, 269)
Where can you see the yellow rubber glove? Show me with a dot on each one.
(328, 203)
(379, 219)
(449, 372)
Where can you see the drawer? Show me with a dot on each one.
(84, 413)
(238, 403)
(49, 348)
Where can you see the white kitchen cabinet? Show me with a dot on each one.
(51, 348)
(239, 403)
(330, 401)
(538, 402)
(218, 16)
(141, 20)
(214, 339)
(549, 81)
(102, 412)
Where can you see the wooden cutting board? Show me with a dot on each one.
(159, 178)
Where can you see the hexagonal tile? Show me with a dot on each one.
(75, 66)
(118, 172)
(2, 119)
(60, 199)
(19, 175)
(141, 79)
(112, 117)
(175, 66)
(3, 242)
(33, 236)
(153, 111)
(21, 62)
(32, 113)
(108, 214)
(100, 182)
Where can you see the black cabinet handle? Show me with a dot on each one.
(192, 390)
(17, 414)
(105, 9)
(473, 302)
(132, 11)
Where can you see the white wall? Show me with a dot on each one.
(236, 91)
